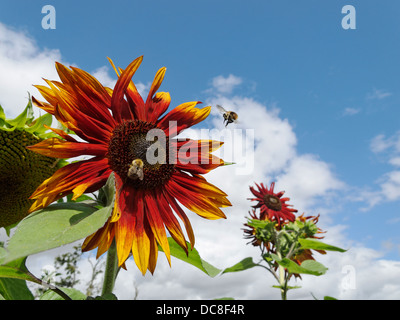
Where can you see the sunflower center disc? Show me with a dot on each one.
(129, 142)
(272, 202)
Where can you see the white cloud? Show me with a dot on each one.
(388, 184)
(225, 85)
(306, 178)
(395, 161)
(351, 111)
(390, 188)
(380, 143)
(22, 64)
(378, 94)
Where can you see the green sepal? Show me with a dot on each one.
(27, 122)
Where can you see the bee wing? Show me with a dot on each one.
(140, 173)
(222, 110)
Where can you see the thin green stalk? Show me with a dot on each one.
(282, 280)
(49, 286)
(111, 270)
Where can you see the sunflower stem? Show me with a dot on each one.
(282, 279)
(111, 270)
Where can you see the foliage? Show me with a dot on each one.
(286, 248)
(60, 224)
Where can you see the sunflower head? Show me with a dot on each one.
(272, 237)
(21, 170)
(271, 204)
(134, 138)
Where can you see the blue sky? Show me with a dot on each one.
(337, 89)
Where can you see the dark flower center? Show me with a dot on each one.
(129, 143)
(272, 202)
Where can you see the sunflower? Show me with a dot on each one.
(21, 170)
(261, 232)
(115, 125)
(272, 205)
(311, 232)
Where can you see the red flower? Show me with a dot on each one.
(114, 125)
(272, 205)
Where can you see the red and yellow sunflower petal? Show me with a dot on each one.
(135, 107)
(141, 245)
(133, 231)
(198, 197)
(88, 128)
(84, 187)
(88, 172)
(117, 106)
(159, 77)
(171, 223)
(116, 214)
(93, 99)
(124, 235)
(156, 223)
(153, 253)
(182, 117)
(66, 111)
(57, 148)
(101, 239)
(61, 133)
(199, 184)
(157, 106)
(93, 87)
(48, 107)
(130, 223)
(181, 214)
(195, 156)
(203, 146)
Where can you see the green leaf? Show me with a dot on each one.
(107, 296)
(318, 245)
(12, 281)
(329, 298)
(192, 258)
(72, 293)
(57, 225)
(14, 289)
(245, 264)
(16, 269)
(307, 267)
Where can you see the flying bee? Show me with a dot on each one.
(136, 170)
(229, 116)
